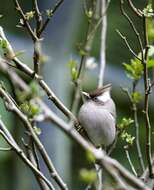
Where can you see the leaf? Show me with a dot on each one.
(125, 122)
(88, 176)
(150, 63)
(72, 64)
(137, 97)
(19, 53)
(90, 156)
(37, 130)
(148, 11)
(3, 44)
(29, 15)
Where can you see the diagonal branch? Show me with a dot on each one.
(10, 105)
(8, 137)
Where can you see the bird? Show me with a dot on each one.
(97, 116)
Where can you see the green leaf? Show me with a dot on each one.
(49, 13)
(125, 122)
(37, 130)
(148, 11)
(72, 64)
(29, 15)
(19, 53)
(127, 138)
(134, 70)
(88, 176)
(90, 156)
(136, 96)
(150, 29)
(25, 107)
(3, 44)
(150, 63)
(33, 109)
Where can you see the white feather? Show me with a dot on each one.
(104, 97)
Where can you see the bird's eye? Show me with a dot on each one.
(95, 99)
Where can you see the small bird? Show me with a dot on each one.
(98, 116)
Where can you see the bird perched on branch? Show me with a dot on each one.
(98, 116)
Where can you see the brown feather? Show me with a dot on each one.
(99, 91)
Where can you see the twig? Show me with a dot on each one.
(33, 158)
(38, 16)
(8, 137)
(132, 26)
(103, 44)
(53, 10)
(127, 44)
(27, 25)
(129, 160)
(5, 149)
(146, 101)
(134, 108)
(90, 33)
(134, 9)
(12, 107)
(24, 68)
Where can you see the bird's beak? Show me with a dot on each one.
(86, 95)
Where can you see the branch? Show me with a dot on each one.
(134, 9)
(53, 10)
(31, 154)
(127, 44)
(24, 68)
(105, 161)
(135, 116)
(11, 106)
(147, 90)
(103, 43)
(26, 23)
(129, 160)
(8, 137)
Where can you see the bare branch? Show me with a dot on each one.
(8, 137)
(53, 10)
(26, 23)
(24, 68)
(103, 43)
(12, 107)
(127, 44)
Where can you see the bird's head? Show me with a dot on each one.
(100, 94)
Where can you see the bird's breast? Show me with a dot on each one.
(98, 122)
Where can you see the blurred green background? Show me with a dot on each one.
(66, 29)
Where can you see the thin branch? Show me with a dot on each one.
(90, 33)
(31, 154)
(135, 116)
(53, 10)
(132, 26)
(134, 9)
(5, 149)
(103, 43)
(8, 137)
(127, 44)
(26, 23)
(24, 68)
(12, 107)
(129, 160)
(146, 101)
(38, 17)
